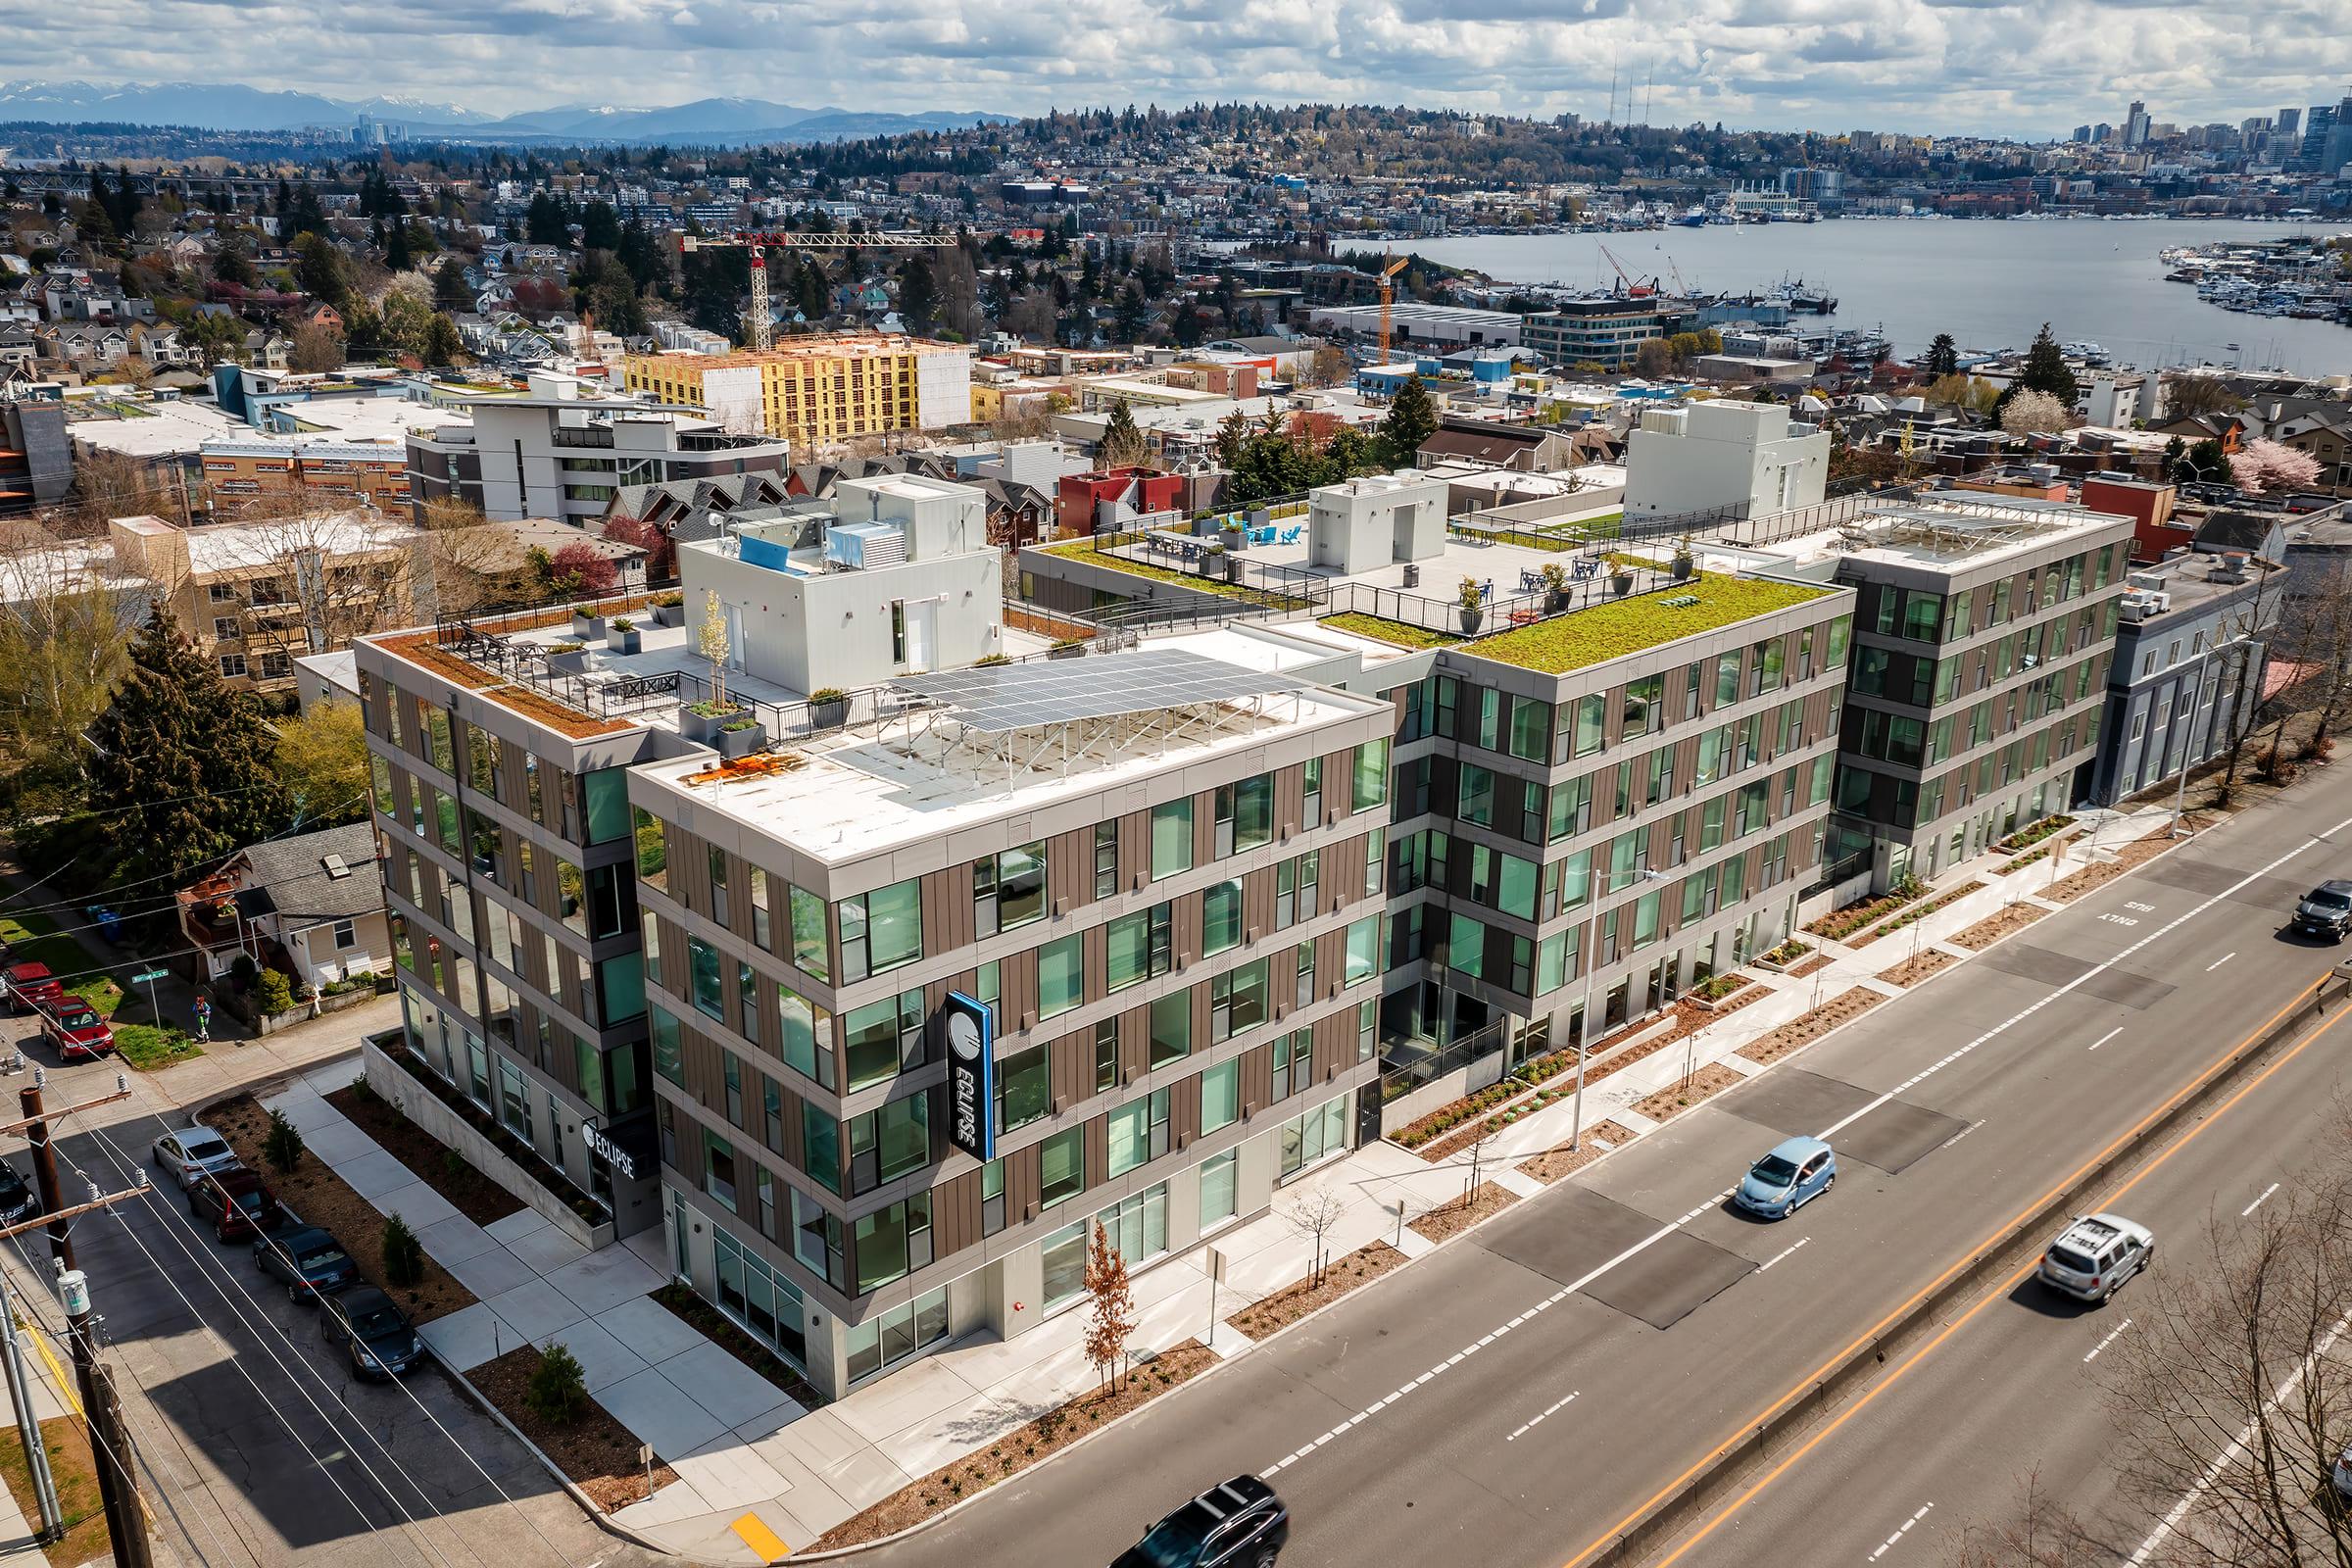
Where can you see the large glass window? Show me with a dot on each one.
(1220, 1188)
(893, 1242)
(1009, 889)
(1220, 1094)
(620, 988)
(1171, 1028)
(1236, 1000)
(668, 1061)
(1063, 1257)
(760, 1298)
(807, 1036)
(1531, 728)
(1245, 814)
(821, 1147)
(883, 1038)
(1061, 1166)
(605, 803)
(702, 966)
(885, 1341)
(1024, 1090)
(1137, 1227)
(1309, 1138)
(1369, 786)
(1220, 917)
(1060, 974)
(718, 1168)
(653, 853)
(1138, 1131)
(1106, 858)
(882, 929)
(1172, 838)
(1138, 947)
(887, 1143)
(1363, 949)
(808, 948)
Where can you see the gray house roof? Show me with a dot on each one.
(316, 878)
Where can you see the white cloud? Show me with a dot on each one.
(2002, 66)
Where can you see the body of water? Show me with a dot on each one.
(1988, 283)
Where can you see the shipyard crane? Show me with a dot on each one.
(758, 241)
(1634, 287)
(1681, 288)
(1387, 301)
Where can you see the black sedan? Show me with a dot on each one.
(374, 1334)
(310, 1261)
(1241, 1524)
(18, 1199)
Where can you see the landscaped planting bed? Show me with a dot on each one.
(1403, 635)
(723, 1332)
(1612, 629)
(1985, 933)
(1458, 1216)
(1917, 912)
(1017, 1450)
(2040, 852)
(593, 1449)
(1813, 965)
(1710, 992)
(1917, 967)
(1560, 1160)
(1781, 956)
(2025, 838)
(1447, 1148)
(1683, 1093)
(432, 1161)
(1840, 924)
(2130, 858)
(1803, 1030)
(1270, 1314)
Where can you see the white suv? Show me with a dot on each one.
(2095, 1255)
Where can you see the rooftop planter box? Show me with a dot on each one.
(740, 737)
(587, 626)
(622, 637)
(670, 610)
(702, 721)
(829, 708)
(568, 658)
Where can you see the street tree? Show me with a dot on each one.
(179, 766)
(1315, 1215)
(281, 1144)
(1111, 1317)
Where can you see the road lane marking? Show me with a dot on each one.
(1547, 1414)
(2259, 1201)
(1890, 1541)
(2218, 962)
(1998, 1290)
(1761, 1267)
(2109, 1035)
(2237, 1447)
(1962, 1133)
(2113, 1334)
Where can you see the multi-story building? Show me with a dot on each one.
(1722, 453)
(36, 461)
(1607, 332)
(819, 392)
(2190, 648)
(291, 472)
(561, 451)
(1983, 629)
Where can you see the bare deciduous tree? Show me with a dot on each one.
(1111, 1316)
(1315, 1215)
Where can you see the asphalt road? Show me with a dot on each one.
(2014, 1397)
(261, 1450)
(1513, 1397)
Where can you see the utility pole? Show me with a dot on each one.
(29, 1426)
(109, 1443)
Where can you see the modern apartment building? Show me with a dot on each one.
(563, 451)
(293, 474)
(817, 392)
(2191, 645)
(1983, 630)
(1607, 332)
(1701, 457)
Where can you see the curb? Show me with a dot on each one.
(1740, 1455)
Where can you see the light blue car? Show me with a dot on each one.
(1788, 1178)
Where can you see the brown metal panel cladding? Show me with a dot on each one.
(1257, 902)
(1205, 827)
(1135, 1043)
(1135, 848)
(1289, 798)
(1070, 1067)
(1201, 1013)
(1257, 1078)
(690, 1150)
(1331, 965)
(1755, 867)
(1341, 874)
(1184, 1112)
(1612, 727)
(955, 1214)
(946, 903)
(794, 1148)
(1024, 1183)
(1184, 921)
(1070, 869)
(1330, 1034)
(1097, 1143)
(1016, 981)
(1094, 944)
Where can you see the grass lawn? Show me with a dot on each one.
(148, 1048)
(1382, 629)
(76, 1481)
(1601, 632)
(1088, 551)
(36, 937)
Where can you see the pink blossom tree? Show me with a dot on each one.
(2269, 468)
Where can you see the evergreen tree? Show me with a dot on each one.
(233, 266)
(1412, 418)
(2045, 371)
(1942, 358)
(1134, 316)
(918, 293)
(398, 254)
(182, 773)
(600, 227)
(451, 291)
(126, 209)
(1123, 445)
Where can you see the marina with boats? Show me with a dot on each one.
(2303, 277)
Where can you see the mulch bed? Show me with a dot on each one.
(1840, 924)
(1722, 1001)
(1813, 965)
(324, 1199)
(594, 1450)
(2130, 858)
(1452, 1145)
(717, 1327)
(1452, 1219)
(1915, 913)
(1678, 1097)
(1270, 1314)
(1561, 1160)
(1803, 1030)
(1985, 933)
(1017, 1450)
(1918, 967)
(432, 1161)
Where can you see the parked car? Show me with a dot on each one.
(76, 1032)
(2342, 1474)
(28, 985)
(2092, 1258)
(18, 1199)
(311, 1262)
(235, 1203)
(1792, 1175)
(2326, 910)
(192, 1152)
(1240, 1524)
(375, 1333)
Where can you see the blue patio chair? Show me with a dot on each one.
(1587, 569)
(1290, 536)
(1529, 582)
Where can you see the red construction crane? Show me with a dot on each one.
(1638, 290)
(758, 241)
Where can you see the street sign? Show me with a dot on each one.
(146, 976)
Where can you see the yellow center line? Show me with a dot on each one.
(1814, 1378)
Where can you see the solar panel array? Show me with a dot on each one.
(1062, 690)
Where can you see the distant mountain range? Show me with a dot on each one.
(233, 108)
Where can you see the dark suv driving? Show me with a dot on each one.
(1241, 1524)
(2326, 910)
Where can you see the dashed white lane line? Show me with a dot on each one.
(1887, 1544)
(1776, 1257)
(2109, 1035)
(2259, 1201)
(1548, 1413)
(1664, 1231)
(2113, 1334)
(1962, 1133)
(2218, 962)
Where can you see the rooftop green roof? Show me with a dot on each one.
(1582, 638)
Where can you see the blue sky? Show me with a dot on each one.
(1910, 65)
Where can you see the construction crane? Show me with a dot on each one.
(1387, 301)
(1680, 288)
(758, 241)
(1638, 290)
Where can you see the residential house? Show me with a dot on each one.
(311, 906)
(1525, 447)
